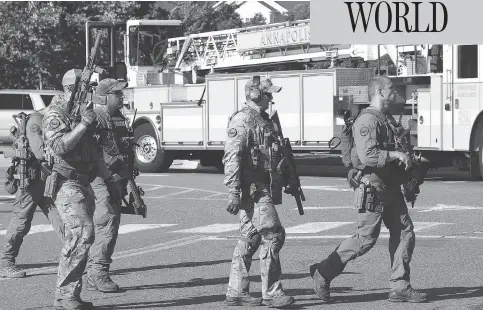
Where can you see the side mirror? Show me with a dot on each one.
(334, 143)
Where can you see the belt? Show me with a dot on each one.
(83, 179)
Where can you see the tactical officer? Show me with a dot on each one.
(380, 172)
(26, 201)
(249, 137)
(111, 127)
(76, 162)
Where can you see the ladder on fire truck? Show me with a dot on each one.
(254, 46)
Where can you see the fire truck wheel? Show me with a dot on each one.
(480, 157)
(148, 155)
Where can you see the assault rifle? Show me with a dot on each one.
(287, 166)
(134, 204)
(20, 152)
(81, 86)
(417, 171)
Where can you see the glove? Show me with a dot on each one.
(291, 189)
(88, 117)
(11, 185)
(9, 173)
(234, 203)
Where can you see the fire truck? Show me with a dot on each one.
(182, 89)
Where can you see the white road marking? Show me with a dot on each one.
(210, 229)
(442, 207)
(381, 236)
(178, 193)
(123, 229)
(154, 175)
(325, 208)
(152, 188)
(327, 188)
(128, 253)
(418, 226)
(454, 182)
(35, 229)
(314, 227)
(129, 228)
(7, 196)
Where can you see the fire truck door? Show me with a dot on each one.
(465, 93)
(447, 117)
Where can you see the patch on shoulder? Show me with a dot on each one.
(34, 128)
(232, 133)
(54, 123)
(364, 131)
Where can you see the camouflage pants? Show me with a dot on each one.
(73, 203)
(259, 225)
(24, 208)
(401, 239)
(107, 216)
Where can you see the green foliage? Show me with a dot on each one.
(301, 11)
(257, 19)
(42, 40)
(200, 16)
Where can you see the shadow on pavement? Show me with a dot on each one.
(340, 171)
(434, 294)
(179, 265)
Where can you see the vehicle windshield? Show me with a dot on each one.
(148, 44)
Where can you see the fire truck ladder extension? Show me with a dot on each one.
(280, 42)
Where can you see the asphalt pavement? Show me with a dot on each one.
(179, 256)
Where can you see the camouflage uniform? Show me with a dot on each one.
(75, 170)
(374, 139)
(26, 203)
(107, 214)
(249, 130)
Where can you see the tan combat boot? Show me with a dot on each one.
(9, 270)
(100, 280)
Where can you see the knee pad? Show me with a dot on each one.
(251, 243)
(276, 239)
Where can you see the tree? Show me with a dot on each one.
(199, 16)
(257, 19)
(42, 40)
(300, 11)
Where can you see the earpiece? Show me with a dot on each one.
(255, 93)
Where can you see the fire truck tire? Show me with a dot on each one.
(476, 166)
(148, 155)
(480, 162)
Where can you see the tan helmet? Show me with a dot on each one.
(70, 76)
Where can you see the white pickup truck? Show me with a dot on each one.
(14, 101)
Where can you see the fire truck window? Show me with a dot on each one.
(47, 99)
(467, 61)
(11, 101)
(27, 103)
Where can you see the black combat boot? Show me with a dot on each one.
(408, 295)
(321, 285)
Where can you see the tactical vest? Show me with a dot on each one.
(348, 147)
(112, 133)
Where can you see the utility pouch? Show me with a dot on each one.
(51, 185)
(360, 197)
(255, 152)
(354, 178)
(370, 193)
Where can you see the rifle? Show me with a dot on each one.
(417, 171)
(81, 85)
(20, 153)
(291, 178)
